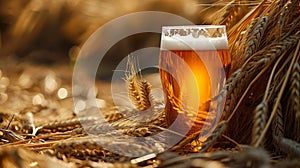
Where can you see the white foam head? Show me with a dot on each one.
(190, 41)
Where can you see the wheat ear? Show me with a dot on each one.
(217, 132)
(253, 42)
(138, 88)
(295, 96)
(279, 96)
(259, 121)
(277, 125)
(254, 65)
(289, 146)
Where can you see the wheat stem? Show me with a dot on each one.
(232, 140)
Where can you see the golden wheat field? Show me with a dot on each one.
(39, 123)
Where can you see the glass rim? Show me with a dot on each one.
(194, 26)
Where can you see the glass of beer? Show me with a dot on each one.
(193, 62)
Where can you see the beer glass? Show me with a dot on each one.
(193, 62)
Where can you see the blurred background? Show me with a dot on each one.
(47, 31)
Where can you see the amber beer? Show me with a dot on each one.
(193, 67)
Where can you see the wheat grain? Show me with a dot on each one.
(120, 144)
(252, 158)
(145, 94)
(277, 81)
(19, 123)
(292, 27)
(288, 163)
(188, 139)
(286, 10)
(113, 116)
(220, 16)
(168, 159)
(116, 119)
(259, 121)
(248, 39)
(235, 36)
(138, 132)
(217, 132)
(133, 91)
(9, 135)
(122, 124)
(272, 51)
(277, 125)
(231, 13)
(66, 125)
(229, 86)
(295, 93)
(138, 88)
(289, 146)
(20, 157)
(279, 95)
(255, 37)
(230, 16)
(262, 64)
(282, 20)
(245, 36)
(253, 66)
(236, 30)
(258, 76)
